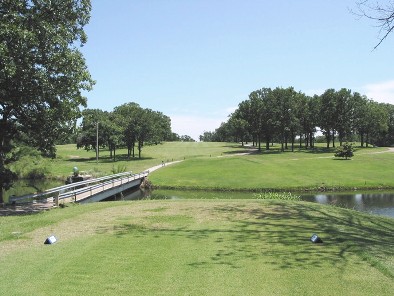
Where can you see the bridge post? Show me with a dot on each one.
(57, 198)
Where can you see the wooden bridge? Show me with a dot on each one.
(86, 191)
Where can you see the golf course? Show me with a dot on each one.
(256, 246)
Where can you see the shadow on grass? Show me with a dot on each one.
(279, 235)
(108, 159)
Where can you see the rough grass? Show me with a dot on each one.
(197, 247)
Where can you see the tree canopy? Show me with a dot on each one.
(128, 125)
(42, 73)
(283, 115)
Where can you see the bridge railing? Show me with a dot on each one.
(76, 192)
(61, 190)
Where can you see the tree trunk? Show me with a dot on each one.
(140, 144)
(259, 140)
(300, 141)
(366, 139)
(292, 142)
(311, 143)
(328, 138)
(362, 139)
(286, 140)
(333, 138)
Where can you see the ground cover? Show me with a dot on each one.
(197, 247)
(222, 166)
(68, 156)
(300, 170)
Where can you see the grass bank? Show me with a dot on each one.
(197, 247)
(220, 166)
(295, 171)
(68, 156)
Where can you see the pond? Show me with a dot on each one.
(379, 203)
(22, 187)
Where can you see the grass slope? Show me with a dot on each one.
(302, 170)
(68, 156)
(197, 247)
(219, 166)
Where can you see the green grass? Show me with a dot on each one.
(197, 247)
(68, 156)
(301, 170)
(217, 166)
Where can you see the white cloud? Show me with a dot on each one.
(194, 126)
(382, 92)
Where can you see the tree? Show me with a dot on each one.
(186, 138)
(377, 118)
(42, 73)
(328, 115)
(126, 116)
(238, 128)
(93, 122)
(345, 150)
(382, 14)
(360, 110)
(343, 112)
(284, 115)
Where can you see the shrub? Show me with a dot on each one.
(346, 150)
(30, 164)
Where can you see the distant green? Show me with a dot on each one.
(300, 170)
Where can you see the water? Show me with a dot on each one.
(379, 203)
(23, 187)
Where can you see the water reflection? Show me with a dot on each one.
(372, 202)
(25, 186)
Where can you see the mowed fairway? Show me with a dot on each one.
(302, 170)
(204, 246)
(197, 247)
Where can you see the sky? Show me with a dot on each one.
(196, 60)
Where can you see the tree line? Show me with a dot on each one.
(127, 126)
(286, 116)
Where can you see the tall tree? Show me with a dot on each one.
(343, 114)
(378, 119)
(284, 115)
(328, 115)
(93, 129)
(42, 72)
(360, 112)
(126, 116)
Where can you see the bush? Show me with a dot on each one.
(30, 164)
(346, 150)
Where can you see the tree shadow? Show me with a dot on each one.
(280, 235)
(108, 159)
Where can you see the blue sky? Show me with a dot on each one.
(196, 60)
